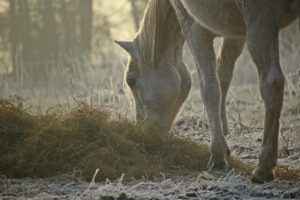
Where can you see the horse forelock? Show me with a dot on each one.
(159, 26)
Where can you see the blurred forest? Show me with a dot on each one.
(46, 38)
(56, 43)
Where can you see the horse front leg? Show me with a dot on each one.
(229, 51)
(200, 41)
(262, 38)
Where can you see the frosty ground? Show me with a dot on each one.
(189, 186)
(245, 111)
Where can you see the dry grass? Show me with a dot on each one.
(87, 139)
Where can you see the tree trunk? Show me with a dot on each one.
(25, 30)
(66, 26)
(135, 14)
(86, 7)
(13, 35)
(50, 38)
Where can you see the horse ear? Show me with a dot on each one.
(127, 46)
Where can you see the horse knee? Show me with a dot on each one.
(211, 92)
(276, 80)
(271, 88)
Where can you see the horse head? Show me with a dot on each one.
(158, 88)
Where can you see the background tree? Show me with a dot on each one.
(37, 36)
(137, 10)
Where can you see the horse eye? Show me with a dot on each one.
(131, 83)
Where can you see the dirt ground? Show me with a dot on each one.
(245, 115)
(188, 186)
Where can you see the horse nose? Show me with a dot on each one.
(156, 122)
(152, 129)
(156, 126)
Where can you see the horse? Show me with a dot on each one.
(160, 82)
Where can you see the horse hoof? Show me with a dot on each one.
(260, 175)
(220, 164)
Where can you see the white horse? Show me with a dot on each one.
(160, 82)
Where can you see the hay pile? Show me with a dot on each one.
(89, 138)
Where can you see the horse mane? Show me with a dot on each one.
(159, 32)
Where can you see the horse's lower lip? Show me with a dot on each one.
(153, 125)
(158, 128)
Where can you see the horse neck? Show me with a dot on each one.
(160, 38)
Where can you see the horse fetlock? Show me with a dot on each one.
(217, 162)
(219, 150)
(263, 174)
(267, 162)
(268, 157)
(219, 145)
